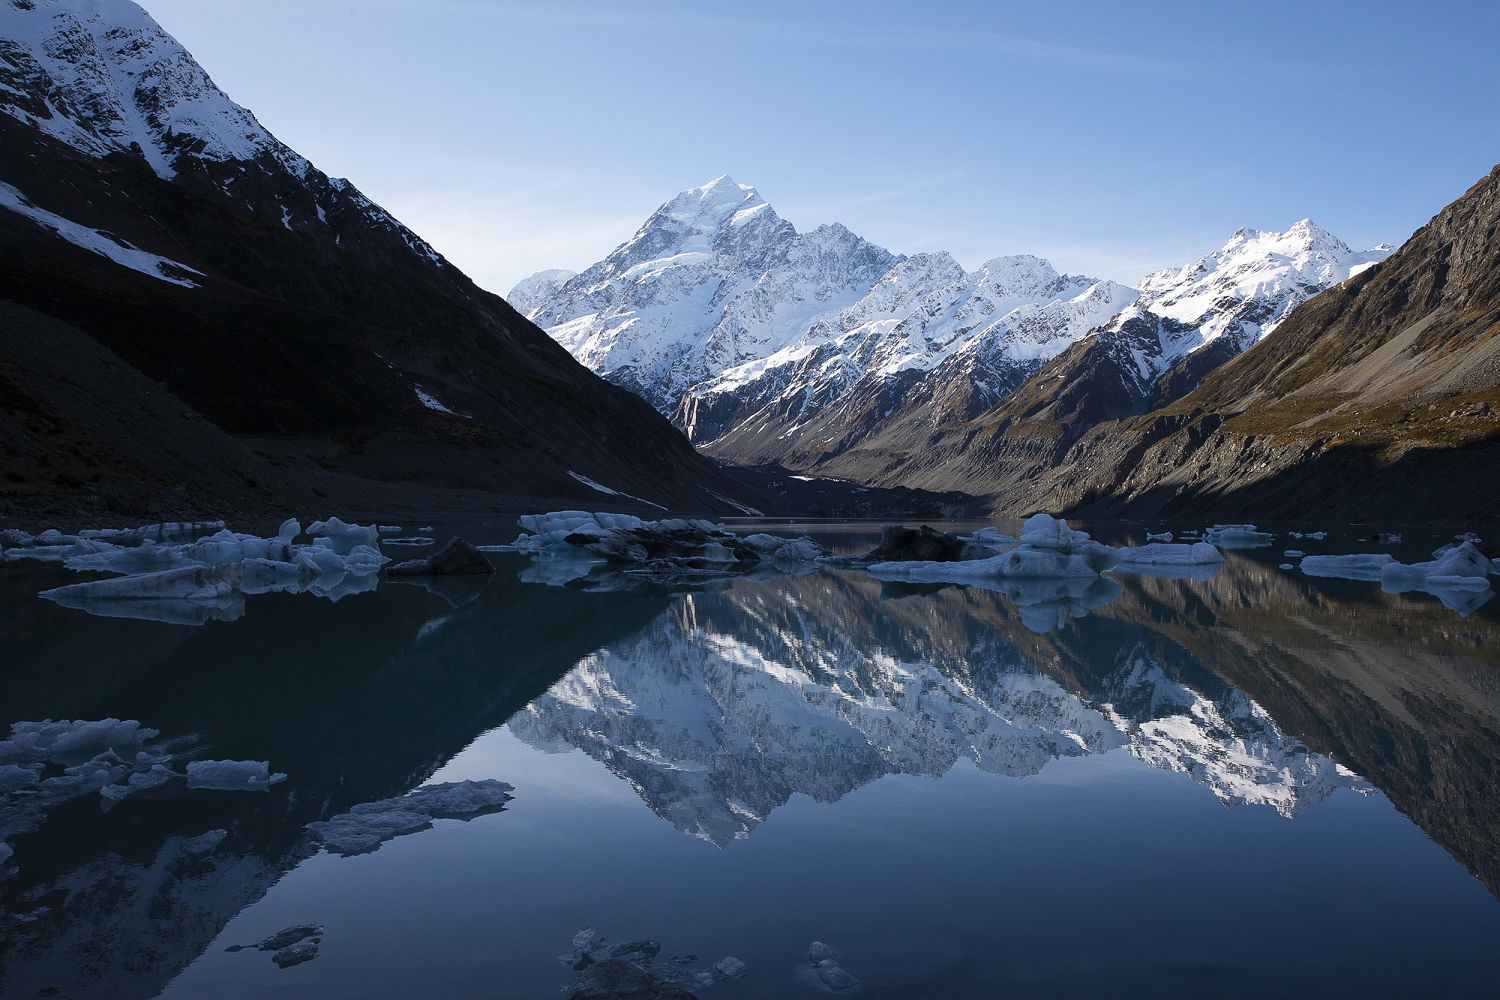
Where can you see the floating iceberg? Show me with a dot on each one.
(1238, 536)
(366, 826)
(190, 583)
(1361, 566)
(232, 775)
(1460, 566)
(193, 582)
(342, 538)
(1049, 549)
(669, 548)
(1172, 561)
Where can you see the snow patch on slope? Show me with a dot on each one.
(100, 242)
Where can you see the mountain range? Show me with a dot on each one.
(769, 346)
(196, 317)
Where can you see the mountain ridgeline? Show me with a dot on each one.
(195, 315)
(1381, 394)
(1262, 379)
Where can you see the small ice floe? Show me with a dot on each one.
(824, 972)
(606, 971)
(1165, 536)
(232, 775)
(204, 843)
(368, 825)
(1286, 566)
(1237, 536)
(290, 946)
(1293, 554)
(412, 540)
(388, 529)
(1360, 566)
(1172, 560)
(729, 967)
(1388, 537)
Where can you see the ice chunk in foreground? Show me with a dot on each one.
(368, 825)
(48, 740)
(232, 775)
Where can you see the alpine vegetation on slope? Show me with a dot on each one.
(158, 237)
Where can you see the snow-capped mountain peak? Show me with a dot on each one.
(118, 81)
(1245, 288)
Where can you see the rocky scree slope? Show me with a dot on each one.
(317, 348)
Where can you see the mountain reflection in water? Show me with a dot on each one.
(717, 705)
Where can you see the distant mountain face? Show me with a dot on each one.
(1381, 394)
(1190, 319)
(311, 340)
(766, 346)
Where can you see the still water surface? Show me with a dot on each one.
(1257, 784)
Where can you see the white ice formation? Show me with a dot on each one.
(1237, 536)
(368, 825)
(232, 775)
(189, 582)
(46, 764)
(1457, 575)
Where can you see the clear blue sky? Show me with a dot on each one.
(1111, 138)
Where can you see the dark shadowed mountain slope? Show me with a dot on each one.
(1381, 393)
(310, 342)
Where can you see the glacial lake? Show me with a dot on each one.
(1255, 784)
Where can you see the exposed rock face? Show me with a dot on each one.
(457, 558)
(1390, 381)
(278, 316)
